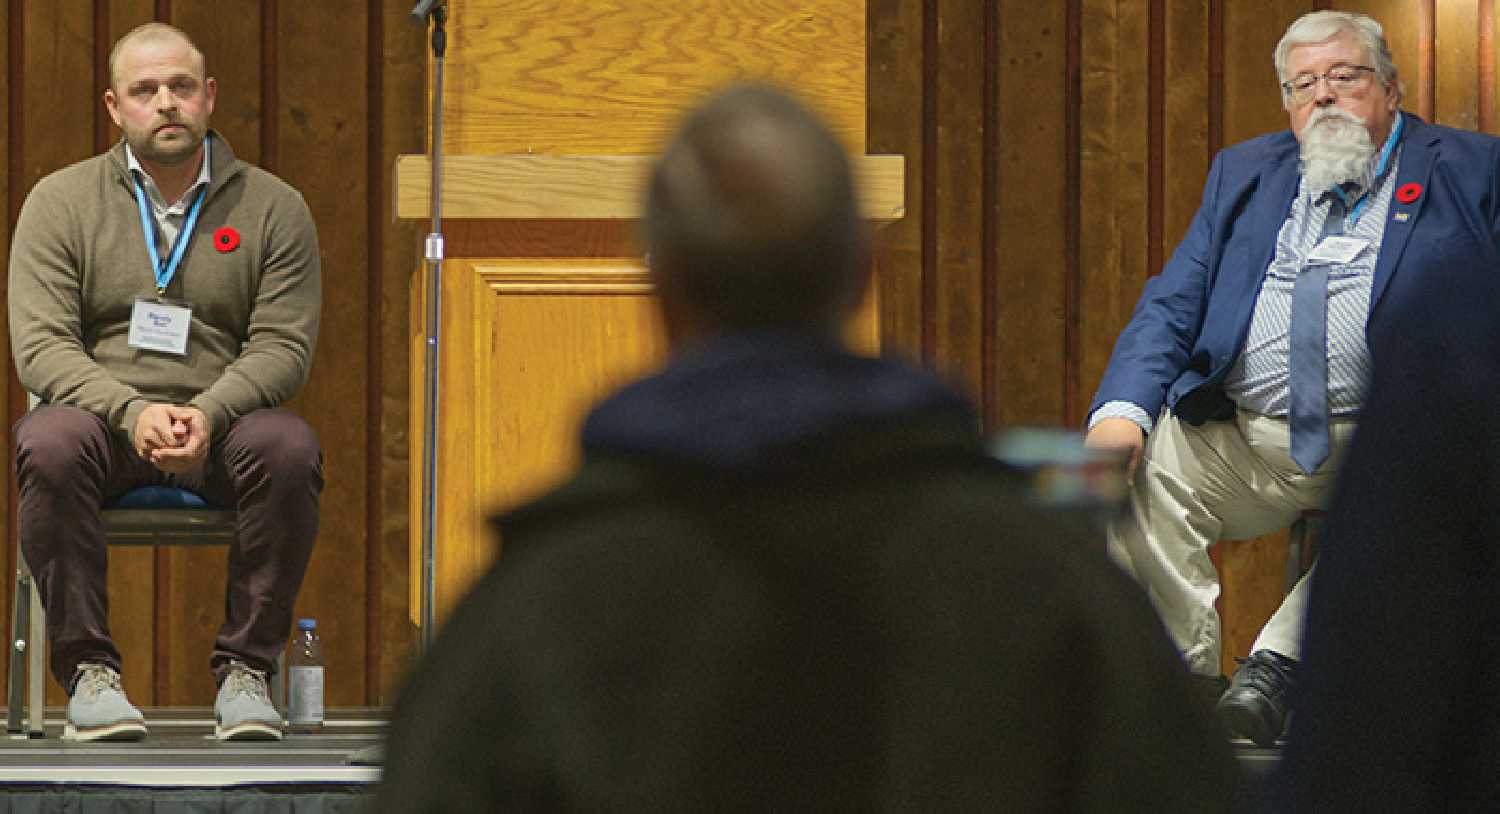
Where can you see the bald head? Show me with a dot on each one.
(153, 33)
(751, 218)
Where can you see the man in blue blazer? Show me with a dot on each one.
(1238, 381)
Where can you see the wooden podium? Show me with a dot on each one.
(549, 128)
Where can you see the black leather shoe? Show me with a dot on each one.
(1255, 705)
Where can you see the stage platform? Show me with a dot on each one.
(180, 766)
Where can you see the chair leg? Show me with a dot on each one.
(1295, 541)
(27, 656)
(19, 622)
(36, 670)
(278, 685)
(1302, 548)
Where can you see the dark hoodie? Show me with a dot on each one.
(787, 578)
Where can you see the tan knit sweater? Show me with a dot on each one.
(79, 262)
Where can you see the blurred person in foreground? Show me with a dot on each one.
(787, 576)
(1402, 707)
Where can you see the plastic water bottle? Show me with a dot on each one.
(304, 684)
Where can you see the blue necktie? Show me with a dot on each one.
(1309, 353)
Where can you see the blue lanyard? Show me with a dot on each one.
(1380, 170)
(165, 271)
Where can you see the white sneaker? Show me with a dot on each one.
(98, 709)
(243, 710)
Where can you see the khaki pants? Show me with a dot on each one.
(1197, 485)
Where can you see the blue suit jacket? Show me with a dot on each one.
(1190, 324)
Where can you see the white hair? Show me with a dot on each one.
(1322, 26)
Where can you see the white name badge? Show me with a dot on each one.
(160, 326)
(1337, 249)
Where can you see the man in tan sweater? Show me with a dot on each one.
(164, 299)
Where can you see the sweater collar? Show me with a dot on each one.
(221, 165)
(133, 164)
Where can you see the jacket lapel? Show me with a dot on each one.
(1271, 205)
(1419, 150)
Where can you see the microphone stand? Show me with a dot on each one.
(437, 11)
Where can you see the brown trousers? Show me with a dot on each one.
(267, 466)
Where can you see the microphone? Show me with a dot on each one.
(423, 8)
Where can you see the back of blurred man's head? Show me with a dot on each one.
(751, 220)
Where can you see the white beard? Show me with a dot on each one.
(1336, 149)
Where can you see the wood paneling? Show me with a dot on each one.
(897, 75)
(588, 187)
(1113, 198)
(328, 94)
(568, 77)
(321, 141)
(527, 347)
(956, 326)
(1456, 37)
(397, 76)
(1030, 228)
(1106, 115)
(560, 102)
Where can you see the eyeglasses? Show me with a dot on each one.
(1342, 79)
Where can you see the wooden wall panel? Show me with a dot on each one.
(956, 285)
(1113, 198)
(1489, 66)
(528, 346)
(1030, 231)
(560, 76)
(898, 122)
(1456, 38)
(308, 91)
(321, 123)
(549, 354)
(397, 76)
(1185, 150)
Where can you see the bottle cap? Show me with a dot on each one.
(307, 624)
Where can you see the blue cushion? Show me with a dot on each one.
(157, 497)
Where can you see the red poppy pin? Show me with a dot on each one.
(1406, 193)
(226, 239)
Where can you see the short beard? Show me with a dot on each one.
(1336, 149)
(144, 145)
